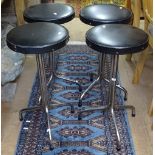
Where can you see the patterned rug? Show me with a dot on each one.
(95, 133)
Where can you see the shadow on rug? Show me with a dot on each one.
(95, 134)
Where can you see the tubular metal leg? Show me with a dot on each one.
(102, 57)
(44, 91)
(51, 55)
(51, 61)
(70, 80)
(28, 110)
(112, 85)
(122, 107)
(111, 97)
(124, 90)
(92, 84)
(117, 132)
(99, 68)
(64, 78)
(44, 94)
(102, 108)
(40, 106)
(103, 60)
(121, 88)
(89, 88)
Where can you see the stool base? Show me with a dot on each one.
(52, 66)
(92, 85)
(31, 109)
(111, 108)
(104, 108)
(112, 83)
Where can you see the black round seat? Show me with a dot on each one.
(37, 38)
(105, 14)
(116, 39)
(49, 12)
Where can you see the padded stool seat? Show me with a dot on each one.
(37, 38)
(117, 39)
(49, 12)
(105, 14)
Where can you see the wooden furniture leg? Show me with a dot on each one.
(139, 67)
(136, 22)
(19, 8)
(150, 110)
(137, 10)
(128, 57)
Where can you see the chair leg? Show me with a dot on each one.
(150, 110)
(51, 62)
(111, 99)
(19, 8)
(139, 67)
(118, 144)
(124, 90)
(89, 88)
(121, 88)
(28, 110)
(122, 107)
(70, 80)
(128, 57)
(102, 108)
(100, 72)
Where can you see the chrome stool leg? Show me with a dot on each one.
(122, 107)
(117, 85)
(111, 98)
(44, 97)
(52, 56)
(40, 105)
(121, 88)
(102, 108)
(124, 90)
(51, 61)
(44, 93)
(101, 65)
(99, 68)
(89, 88)
(112, 86)
(31, 109)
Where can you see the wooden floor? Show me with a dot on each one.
(139, 95)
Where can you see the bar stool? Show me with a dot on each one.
(49, 12)
(104, 14)
(53, 13)
(39, 39)
(115, 39)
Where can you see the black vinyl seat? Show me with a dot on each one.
(105, 14)
(37, 38)
(49, 12)
(117, 39)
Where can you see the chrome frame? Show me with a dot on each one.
(99, 78)
(52, 66)
(42, 76)
(44, 90)
(111, 96)
(44, 97)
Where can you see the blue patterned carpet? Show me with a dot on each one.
(95, 134)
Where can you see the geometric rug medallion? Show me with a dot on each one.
(95, 133)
